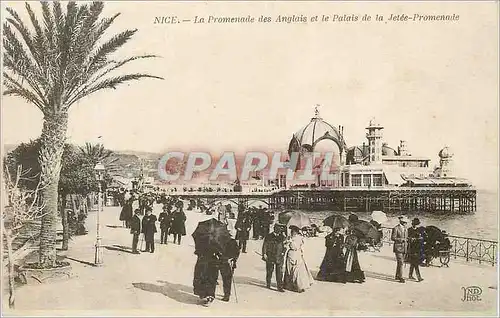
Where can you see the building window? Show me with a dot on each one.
(346, 180)
(367, 180)
(356, 180)
(377, 180)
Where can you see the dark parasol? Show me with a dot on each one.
(336, 221)
(366, 230)
(211, 236)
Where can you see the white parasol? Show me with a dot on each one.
(379, 217)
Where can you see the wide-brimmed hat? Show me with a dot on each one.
(403, 218)
(415, 221)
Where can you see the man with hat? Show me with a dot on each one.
(415, 248)
(135, 230)
(273, 253)
(399, 236)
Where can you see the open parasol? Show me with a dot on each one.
(365, 229)
(336, 221)
(379, 217)
(295, 218)
(211, 236)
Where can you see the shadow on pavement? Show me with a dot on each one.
(115, 226)
(119, 248)
(380, 276)
(390, 258)
(177, 292)
(249, 281)
(79, 261)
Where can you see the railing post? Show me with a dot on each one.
(467, 250)
(455, 252)
(493, 257)
(480, 255)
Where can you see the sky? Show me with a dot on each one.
(251, 86)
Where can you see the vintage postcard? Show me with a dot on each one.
(250, 158)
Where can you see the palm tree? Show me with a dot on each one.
(53, 65)
(95, 152)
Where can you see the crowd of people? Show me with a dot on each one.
(137, 214)
(282, 248)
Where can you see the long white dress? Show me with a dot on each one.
(296, 273)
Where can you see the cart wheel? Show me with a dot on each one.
(444, 258)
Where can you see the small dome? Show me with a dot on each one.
(445, 153)
(388, 151)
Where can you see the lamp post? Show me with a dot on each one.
(99, 173)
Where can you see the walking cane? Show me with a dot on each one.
(234, 285)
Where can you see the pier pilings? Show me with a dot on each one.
(409, 199)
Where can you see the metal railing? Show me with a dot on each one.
(468, 248)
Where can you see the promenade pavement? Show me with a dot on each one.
(160, 284)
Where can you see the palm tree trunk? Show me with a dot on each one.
(65, 223)
(51, 150)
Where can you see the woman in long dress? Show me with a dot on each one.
(354, 274)
(297, 276)
(126, 212)
(333, 267)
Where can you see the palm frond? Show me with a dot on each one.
(13, 87)
(63, 58)
(97, 60)
(112, 82)
(25, 33)
(40, 42)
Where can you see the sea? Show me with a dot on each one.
(482, 224)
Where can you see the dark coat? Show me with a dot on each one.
(353, 269)
(243, 227)
(273, 248)
(165, 220)
(416, 239)
(126, 213)
(333, 266)
(178, 223)
(206, 272)
(149, 227)
(232, 251)
(135, 225)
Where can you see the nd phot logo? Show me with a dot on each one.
(472, 293)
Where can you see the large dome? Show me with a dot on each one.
(316, 130)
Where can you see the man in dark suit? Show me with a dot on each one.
(135, 230)
(149, 230)
(399, 236)
(243, 225)
(227, 264)
(165, 220)
(273, 252)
